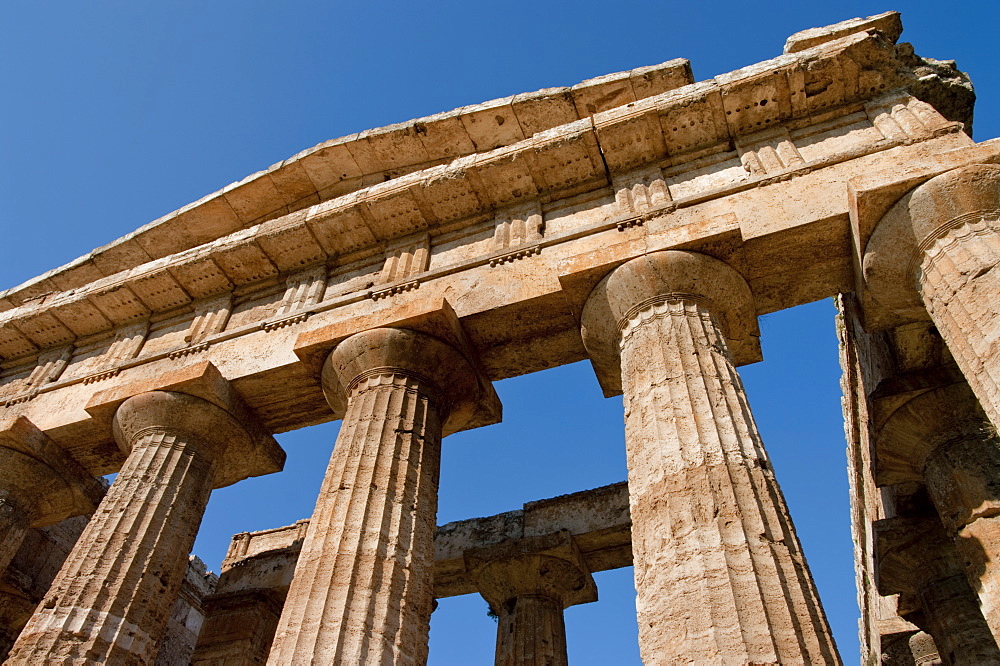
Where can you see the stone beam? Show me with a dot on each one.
(598, 521)
(506, 243)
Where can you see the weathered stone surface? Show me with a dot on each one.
(527, 583)
(374, 519)
(113, 597)
(487, 229)
(933, 254)
(39, 485)
(942, 438)
(916, 558)
(719, 571)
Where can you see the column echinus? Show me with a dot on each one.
(933, 254)
(719, 571)
(362, 592)
(40, 484)
(528, 582)
(111, 600)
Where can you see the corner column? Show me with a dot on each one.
(719, 571)
(112, 599)
(363, 590)
(936, 250)
(528, 583)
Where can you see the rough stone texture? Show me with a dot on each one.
(113, 597)
(242, 615)
(39, 485)
(30, 573)
(933, 253)
(719, 571)
(888, 23)
(487, 228)
(527, 583)
(187, 616)
(362, 591)
(917, 559)
(942, 439)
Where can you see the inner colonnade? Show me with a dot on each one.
(642, 221)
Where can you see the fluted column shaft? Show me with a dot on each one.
(112, 599)
(362, 591)
(719, 571)
(960, 289)
(964, 485)
(935, 252)
(14, 524)
(531, 631)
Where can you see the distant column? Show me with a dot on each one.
(719, 571)
(938, 249)
(528, 583)
(915, 558)
(363, 590)
(943, 439)
(40, 484)
(112, 598)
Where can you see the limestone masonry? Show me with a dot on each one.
(640, 220)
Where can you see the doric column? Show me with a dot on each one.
(40, 484)
(915, 558)
(943, 439)
(936, 250)
(112, 598)
(528, 583)
(362, 591)
(719, 571)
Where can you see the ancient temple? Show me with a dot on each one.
(641, 220)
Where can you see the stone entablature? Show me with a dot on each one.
(645, 232)
(535, 214)
(340, 166)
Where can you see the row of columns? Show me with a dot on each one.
(719, 571)
(932, 257)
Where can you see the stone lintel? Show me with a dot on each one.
(65, 490)
(597, 520)
(889, 24)
(262, 455)
(431, 316)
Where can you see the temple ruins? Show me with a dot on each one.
(641, 220)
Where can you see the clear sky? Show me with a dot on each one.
(115, 113)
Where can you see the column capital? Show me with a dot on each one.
(656, 279)
(440, 368)
(909, 551)
(550, 565)
(924, 424)
(41, 477)
(238, 445)
(892, 257)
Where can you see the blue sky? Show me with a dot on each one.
(115, 113)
